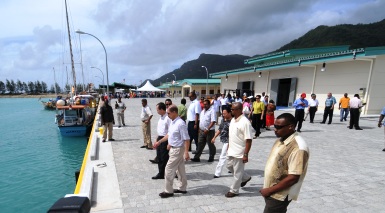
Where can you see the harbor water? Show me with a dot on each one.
(38, 165)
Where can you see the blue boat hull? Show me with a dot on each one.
(73, 131)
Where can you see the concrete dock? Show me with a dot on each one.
(346, 171)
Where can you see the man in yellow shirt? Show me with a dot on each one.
(344, 107)
(258, 111)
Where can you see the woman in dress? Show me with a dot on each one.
(270, 114)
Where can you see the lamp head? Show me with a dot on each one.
(323, 67)
(80, 32)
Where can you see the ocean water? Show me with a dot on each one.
(37, 165)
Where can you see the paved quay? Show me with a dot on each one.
(345, 173)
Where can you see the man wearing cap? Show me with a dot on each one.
(300, 104)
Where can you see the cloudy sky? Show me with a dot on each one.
(149, 38)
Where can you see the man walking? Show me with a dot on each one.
(286, 166)
(161, 150)
(355, 105)
(206, 132)
(343, 106)
(382, 115)
(146, 116)
(240, 137)
(193, 119)
(120, 107)
(178, 142)
(300, 105)
(329, 108)
(313, 107)
(107, 120)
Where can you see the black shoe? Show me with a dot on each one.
(104, 140)
(311, 122)
(149, 148)
(329, 123)
(193, 152)
(383, 150)
(156, 177)
(154, 161)
(298, 130)
(322, 123)
(229, 172)
(111, 139)
(165, 194)
(359, 129)
(218, 176)
(143, 146)
(195, 160)
(350, 127)
(179, 191)
(244, 183)
(340, 120)
(119, 126)
(124, 124)
(211, 160)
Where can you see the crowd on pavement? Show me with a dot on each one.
(242, 121)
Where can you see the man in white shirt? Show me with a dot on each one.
(193, 119)
(240, 137)
(206, 132)
(313, 107)
(216, 104)
(178, 142)
(355, 104)
(223, 102)
(146, 116)
(161, 150)
(120, 107)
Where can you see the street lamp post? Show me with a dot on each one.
(174, 85)
(105, 51)
(207, 80)
(100, 72)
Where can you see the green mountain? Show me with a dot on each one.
(357, 36)
(194, 69)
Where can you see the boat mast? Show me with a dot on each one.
(72, 57)
(54, 78)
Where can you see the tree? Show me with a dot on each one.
(31, 87)
(44, 87)
(2, 87)
(58, 89)
(25, 88)
(19, 86)
(10, 85)
(38, 87)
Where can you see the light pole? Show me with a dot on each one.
(174, 85)
(207, 80)
(101, 72)
(105, 51)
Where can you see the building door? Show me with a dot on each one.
(186, 92)
(283, 91)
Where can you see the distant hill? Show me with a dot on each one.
(357, 36)
(194, 69)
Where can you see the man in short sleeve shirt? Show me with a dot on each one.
(380, 121)
(146, 116)
(286, 166)
(193, 113)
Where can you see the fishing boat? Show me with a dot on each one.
(51, 103)
(76, 119)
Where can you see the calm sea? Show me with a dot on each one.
(37, 165)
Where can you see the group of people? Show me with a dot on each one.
(175, 136)
(345, 106)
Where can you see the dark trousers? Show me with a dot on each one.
(354, 118)
(203, 139)
(192, 133)
(328, 112)
(256, 123)
(276, 206)
(299, 115)
(312, 111)
(162, 155)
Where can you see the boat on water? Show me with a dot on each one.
(76, 119)
(51, 103)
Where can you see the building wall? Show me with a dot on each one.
(339, 78)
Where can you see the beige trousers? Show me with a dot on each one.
(107, 127)
(146, 128)
(237, 167)
(175, 164)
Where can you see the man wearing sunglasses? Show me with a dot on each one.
(286, 166)
(240, 136)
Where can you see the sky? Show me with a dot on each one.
(145, 39)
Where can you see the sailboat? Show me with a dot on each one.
(75, 117)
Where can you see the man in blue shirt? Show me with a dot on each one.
(380, 121)
(300, 104)
(329, 108)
